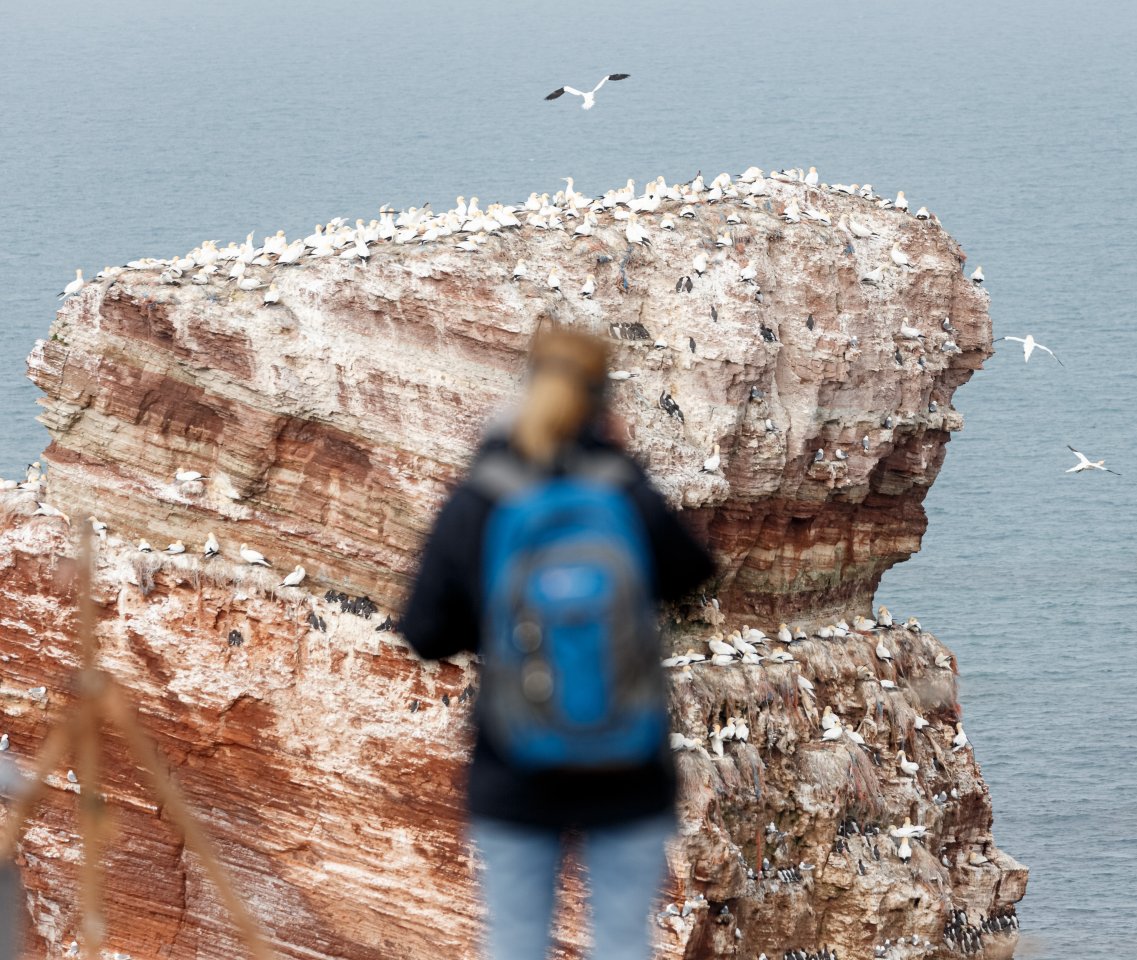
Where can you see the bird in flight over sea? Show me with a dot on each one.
(590, 96)
(1085, 463)
(1029, 346)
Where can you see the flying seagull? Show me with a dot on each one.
(590, 96)
(1085, 463)
(1030, 345)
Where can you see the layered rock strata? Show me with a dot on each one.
(325, 760)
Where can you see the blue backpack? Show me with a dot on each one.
(571, 675)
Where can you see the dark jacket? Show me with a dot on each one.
(443, 617)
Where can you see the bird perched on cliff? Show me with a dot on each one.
(977, 276)
(44, 509)
(908, 332)
(901, 201)
(554, 281)
(899, 257)
(828, 718)
(271, 295)
(295, 578)
(681, 742)
(176, 547)
(720, 647)
(1029, 346)
(589, 287)
(711, 464)
(882, 651)
(98, 527)
(1085, 463)
(144, 546)
(883, 614)
(874, 276)
(959, 741)
(3, 742)
(253, 557)
(589, 96)
(668, 405)
(833, 733)
(521, 271)
(904, 852)
(907, 767)
(636, 234)
(74, 286)
(188, 476)
(700, 263)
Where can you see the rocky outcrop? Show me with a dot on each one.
(325, 759)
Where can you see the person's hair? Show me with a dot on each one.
(568, 374)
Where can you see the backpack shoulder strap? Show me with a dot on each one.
(501, 473)
(603, 466)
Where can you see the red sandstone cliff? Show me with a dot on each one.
(325, 760)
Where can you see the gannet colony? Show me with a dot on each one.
(787, 352)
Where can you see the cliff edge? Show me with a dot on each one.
(326, 761)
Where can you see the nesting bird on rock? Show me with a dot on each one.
(253, 557)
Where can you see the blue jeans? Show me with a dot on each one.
(520, 866)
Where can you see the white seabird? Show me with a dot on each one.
(905, 851)
(899, 257)
(959, 741)
(711, 464)
(716, 739)
(833, 732)
(44, 509)
(977, 275)
(700, 263)
(1085, 463)
(681, 742)
(144, 546)
(828, 718)
(188, 476)
(554, 280)
(74, 286)
(295, 578)
(253, 557)
(1029, 346)
(212, 547)
(720, 647)
(272, 294)
(882, 651)
(589, 96)
(907, 767)
(176, 547)
(589, 287)
(636, 234)
(98, 527)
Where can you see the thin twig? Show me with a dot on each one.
(146, 756)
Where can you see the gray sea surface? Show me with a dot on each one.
(132, 128)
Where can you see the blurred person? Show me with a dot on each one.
(549, 561)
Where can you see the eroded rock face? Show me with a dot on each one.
(326, 761)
